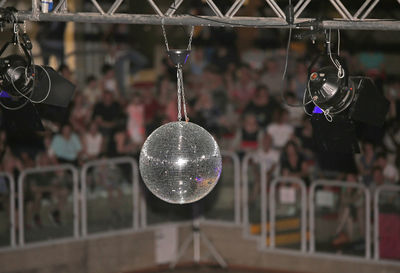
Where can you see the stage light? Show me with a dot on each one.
(24, 85)
(328, 91)
(336, 102)
(332, 96)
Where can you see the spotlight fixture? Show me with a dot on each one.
(25, 87)
(336, 102)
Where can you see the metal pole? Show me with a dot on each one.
(236, 178)
(155, 8)
(264, 206)
(341, 9)
(378, 190)
(311, 218)
(98, 7)
(75, 181)
(135, 194)
(211, 21)
(276, 8)
(376, 223)
(114, 7)
(172, 9)
(196, 232)
(300, 10)
(214, 8)
(21, 209)
(234, 8)
(245, 192)
(362, 8)
(369, 9)
(368, 224)
(11, 181)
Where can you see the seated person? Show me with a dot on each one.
(66, 146)
(247, 138)
(93, 142)
(293, 163)
(280, 129)
(351, 210)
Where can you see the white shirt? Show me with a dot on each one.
(280, 134)
(391, 173)
(93, 144)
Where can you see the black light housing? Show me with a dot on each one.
(24, 86)
(338, 104)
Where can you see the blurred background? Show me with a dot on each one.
(279, 206)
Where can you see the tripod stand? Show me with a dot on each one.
(196, 237)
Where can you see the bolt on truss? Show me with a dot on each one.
(356, 21)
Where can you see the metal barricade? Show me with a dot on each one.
(378, 190)
(247, 231)
(344, 185)
(272, 210)
(236, 189)
(11, 191)
(135, 189)
(42, 170)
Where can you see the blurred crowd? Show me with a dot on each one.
(236, 95)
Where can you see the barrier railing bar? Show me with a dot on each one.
(264, 206)
(379, 189)
(24, 173)
(135, 187)
(331, 257)
(367, 211)
(245, 192)
(236, 173)
(272, 208)
(11, 181)
(143, 210)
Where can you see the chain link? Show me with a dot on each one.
(179, 75)
(165, 34)
(178, 83)
(190, 39)
(180, 78)
(189, 47)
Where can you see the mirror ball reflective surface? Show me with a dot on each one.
(180, 162)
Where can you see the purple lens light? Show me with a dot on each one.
(4, 94)
(317, 110)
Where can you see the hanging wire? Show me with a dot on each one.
(285, 71)
(182, 91)
(179, 75)
(26, 97)
(335, 62)
(189, 47)
(179, 94)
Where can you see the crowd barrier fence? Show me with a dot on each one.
(12, 225)
(41, 170)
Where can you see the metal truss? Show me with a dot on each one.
(356, 21)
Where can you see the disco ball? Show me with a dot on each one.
(180, 162)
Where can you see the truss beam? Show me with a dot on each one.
(358, 21)
(212, 21)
